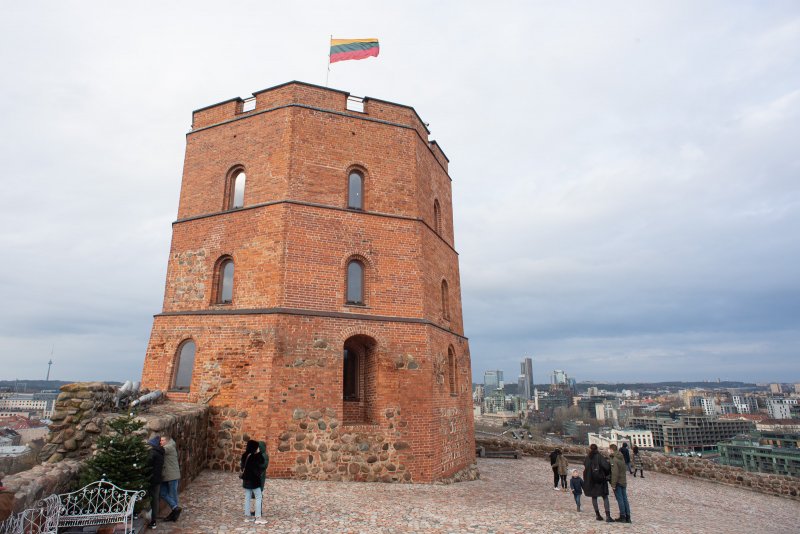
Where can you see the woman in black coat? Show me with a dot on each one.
(595, 480)
(252, 463)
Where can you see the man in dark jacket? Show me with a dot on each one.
(156, 468)
(619, 484)
(595, 480)
(251, 464)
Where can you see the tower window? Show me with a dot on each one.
(451, 370)
(355, 191)
(355, 282)
(437, 217)
(237, 191)
(224, 281)
(185, 367)
(445, 301)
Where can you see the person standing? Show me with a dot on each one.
(626, 454)
(637, 462)
(171, 476)
(156, 469)
(554, 467)
(252, 463)
(576, 485)
(595, 480)
(562, 469)
(262, 448)
(619, 483)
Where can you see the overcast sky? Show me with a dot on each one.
(626, 176)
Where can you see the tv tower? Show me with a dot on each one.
(49, 364)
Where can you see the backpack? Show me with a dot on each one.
(599, 473)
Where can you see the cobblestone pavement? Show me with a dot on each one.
(513, 496)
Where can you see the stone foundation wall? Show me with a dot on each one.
(81, 415)
(779, 485)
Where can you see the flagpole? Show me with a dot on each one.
(329, 64)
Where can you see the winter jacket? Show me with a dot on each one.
(618, 470)
(637, 461)
(576, 485)
(156, 464)
(595, 475)
(626, 453)
(252, 462)
(172, 470)
(562, 464)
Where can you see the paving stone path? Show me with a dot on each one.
(513, 496)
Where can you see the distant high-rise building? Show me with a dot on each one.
(526, 378)
(775, 389)
(780, 408)
(559, 377)
(492, 381)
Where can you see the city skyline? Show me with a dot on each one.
(624, 187)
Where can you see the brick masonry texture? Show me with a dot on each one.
(270, 363)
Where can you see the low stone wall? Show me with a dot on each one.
(779, 485)
(82, 413)
(40, 481)
(77, 420)
(18, 462)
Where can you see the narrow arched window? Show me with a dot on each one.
(185, 366)
(237, 190)
(355, 191)
(445, 301)
(224, 289)
(451, 370)
(437, 217)
(355, 282)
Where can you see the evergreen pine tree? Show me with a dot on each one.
(123, 457)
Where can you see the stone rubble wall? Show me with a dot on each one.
(699, 468)
(82, 412)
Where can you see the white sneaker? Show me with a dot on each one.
(556, 488)
(261, 521)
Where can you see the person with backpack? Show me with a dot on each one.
(262, 450)
(596, 471)
(626, 454)
(554, 466)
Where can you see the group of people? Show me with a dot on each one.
(598, 473)
(165, 475)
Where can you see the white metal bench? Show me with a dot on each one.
(98, 503)
(42, 519)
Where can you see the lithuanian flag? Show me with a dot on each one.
(342, 49)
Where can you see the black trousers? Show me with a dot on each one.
(155, 501)
(555, 476)
(605, 505)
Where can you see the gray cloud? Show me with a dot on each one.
(625, 177)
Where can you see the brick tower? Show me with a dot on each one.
(313, 296)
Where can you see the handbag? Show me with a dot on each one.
(241, 474)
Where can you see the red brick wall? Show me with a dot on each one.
(270, 362)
